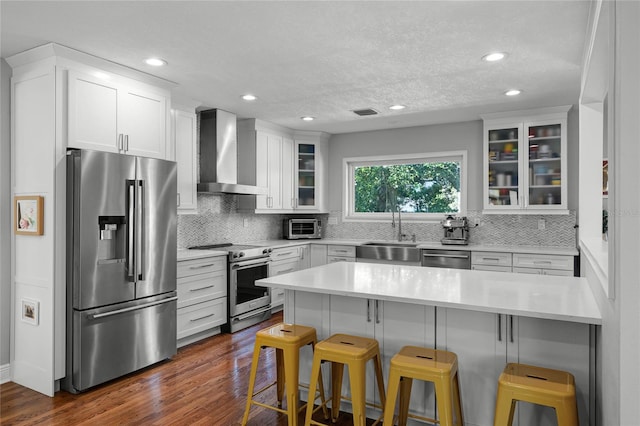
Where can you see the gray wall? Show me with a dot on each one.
(5, 210)
(492, 229)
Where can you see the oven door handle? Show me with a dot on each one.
(255, 262)
(252, 314)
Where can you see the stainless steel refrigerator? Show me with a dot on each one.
(121, 265)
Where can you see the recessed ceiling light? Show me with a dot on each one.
(493, 57)
(155, 62)
(308, 118)
(249, 97)
(397, 107)
(512, 92)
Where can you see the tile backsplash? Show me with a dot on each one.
(219, 220)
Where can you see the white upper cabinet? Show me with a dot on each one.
(525, 162)
(291, 165)
(116, 115)
(185, 138)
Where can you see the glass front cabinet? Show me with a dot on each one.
(525, 161)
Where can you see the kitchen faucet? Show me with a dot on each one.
(400, 234)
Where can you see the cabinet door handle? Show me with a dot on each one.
(511, 327)
(499, 327)
(126, 142)
(178, 200)
(201, 288)
(120, 141)
(368, 310)
(201, 318)
(377, 312)
(201, 266)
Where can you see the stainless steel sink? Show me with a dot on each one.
(391, 252)
(390, 244)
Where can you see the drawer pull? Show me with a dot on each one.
(201, 288)
(285, 271)
(542, 262)
(201, 318)
(494, 259)
(284, 254)
(202, 266)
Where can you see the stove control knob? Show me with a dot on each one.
(241, 254)
(267, 251)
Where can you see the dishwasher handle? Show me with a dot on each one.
(452, 256)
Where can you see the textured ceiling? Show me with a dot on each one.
(326, 58)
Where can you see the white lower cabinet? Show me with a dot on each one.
(545, 264)
(283, 261)
(387, 322)
(486, 342)
(318, 254)
(340, 253)
(202, 298)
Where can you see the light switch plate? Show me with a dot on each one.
(245, 222)
(541, 224)
(333, 221)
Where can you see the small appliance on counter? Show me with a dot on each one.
(456, 230)
(297, 228)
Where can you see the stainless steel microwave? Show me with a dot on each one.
(294, 229)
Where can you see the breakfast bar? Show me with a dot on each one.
(486, 318)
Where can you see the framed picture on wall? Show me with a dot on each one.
(29, 215)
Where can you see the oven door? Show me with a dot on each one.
(244, 294)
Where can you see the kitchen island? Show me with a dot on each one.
(486, 318)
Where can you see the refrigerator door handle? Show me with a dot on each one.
(133, 308)
(131, 209)
(140, 227)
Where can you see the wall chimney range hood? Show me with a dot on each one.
(219, 155)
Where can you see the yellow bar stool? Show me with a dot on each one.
(354, 352)
(287, 339)
(429, 365)
(543, 386)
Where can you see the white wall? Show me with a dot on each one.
(5, 211)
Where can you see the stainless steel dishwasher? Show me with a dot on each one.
(439, 258)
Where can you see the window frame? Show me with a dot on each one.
(348, 201)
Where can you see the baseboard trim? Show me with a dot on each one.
(5, 373)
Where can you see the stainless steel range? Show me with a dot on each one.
(249, 304)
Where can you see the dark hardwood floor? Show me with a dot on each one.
(204, 384)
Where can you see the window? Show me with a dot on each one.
(423, 186)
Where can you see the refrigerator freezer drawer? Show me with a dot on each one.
(110, 342)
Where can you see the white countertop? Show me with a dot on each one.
(569, 251)
(538, 296)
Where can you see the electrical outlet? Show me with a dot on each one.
(333, 221)
(245, 222)
(541, 224)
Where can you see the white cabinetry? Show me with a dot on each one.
(283, 261)
(387, 322)
(202, 298)
(340, 253)
(112, 114)
(185, 143)
(485, 342)
(291, 165)
(543, 264)
(318, 254)
(525, 161)
(491, 261)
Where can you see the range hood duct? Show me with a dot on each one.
(219, 155)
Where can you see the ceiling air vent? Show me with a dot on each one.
(366, 111)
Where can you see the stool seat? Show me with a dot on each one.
(287, 340)
(430, 365)
(538, 385)
(354, 352)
